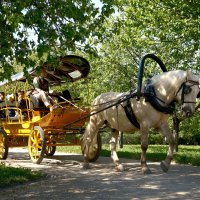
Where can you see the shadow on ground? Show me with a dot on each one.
(66, 179)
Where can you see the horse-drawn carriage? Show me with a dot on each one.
(39, 128)
(148, 107)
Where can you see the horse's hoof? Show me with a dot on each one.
(164, 166)
(86, 166)
(146, 170)
(120, 168)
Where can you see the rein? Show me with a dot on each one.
(149, 95)
(117, 102)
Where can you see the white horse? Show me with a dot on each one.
(174, 86)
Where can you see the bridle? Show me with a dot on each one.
(186, 89)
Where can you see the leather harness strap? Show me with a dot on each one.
(130, 114)
(150, 96)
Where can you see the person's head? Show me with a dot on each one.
(21, 95)
(11, 97)
(2, 96)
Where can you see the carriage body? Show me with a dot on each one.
(41, 129)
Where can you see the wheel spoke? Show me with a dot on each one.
(33, 139)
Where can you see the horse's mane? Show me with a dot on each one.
(169, 79)
(166, 85)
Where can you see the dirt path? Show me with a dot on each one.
(67, 180)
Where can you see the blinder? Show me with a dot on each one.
(186, 89)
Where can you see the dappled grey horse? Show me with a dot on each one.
(152, 110)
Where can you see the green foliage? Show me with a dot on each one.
(161, 27)
(46, 27)
(190, 130)
(156, 138)
(10, 175)
(188, 155)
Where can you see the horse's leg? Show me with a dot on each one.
(89, 138)
(113, 144)
(165, 130)
(144, 147)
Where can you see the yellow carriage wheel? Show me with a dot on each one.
(36, 144)
(3, 145)
(50, 150)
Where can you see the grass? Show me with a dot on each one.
(11, 176)
(186, 155)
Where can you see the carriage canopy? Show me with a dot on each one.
(64, 69)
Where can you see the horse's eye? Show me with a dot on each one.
(187, 89)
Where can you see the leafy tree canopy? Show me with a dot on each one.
(55, 27)
(168, 29)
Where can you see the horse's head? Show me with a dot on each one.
(187, 94)
(89, 147)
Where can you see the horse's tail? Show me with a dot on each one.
(141, 70)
